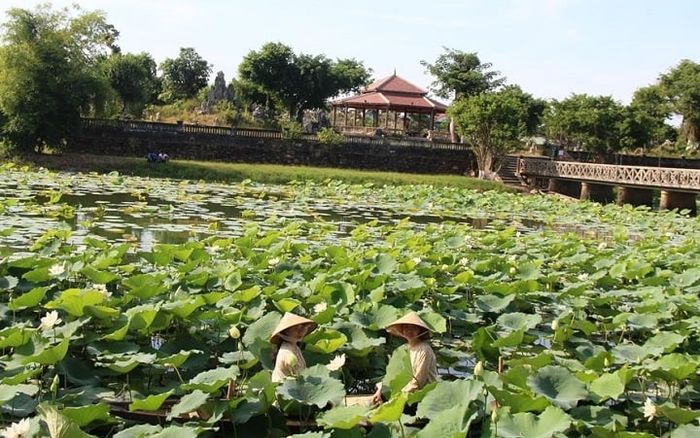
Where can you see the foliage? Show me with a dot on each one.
(592, 123)
(330, 136)
(291, 129)
(597, 332)
(495, 123)
(462, 74)
(681, 85)
(48, 77)
(275, 75)
(184, 76)
(133, 78)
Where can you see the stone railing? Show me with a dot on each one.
(641, 176)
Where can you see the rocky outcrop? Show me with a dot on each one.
(219, 92)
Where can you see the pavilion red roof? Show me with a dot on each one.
(393, 92)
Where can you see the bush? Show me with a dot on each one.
(330, 136)
(227, 112)
(291, 130)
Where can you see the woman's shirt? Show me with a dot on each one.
(423, 366)
(289, 362)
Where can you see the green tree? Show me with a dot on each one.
(644, 123)
(275, 75)
(133, 78)
(592, 123)
(495, 123)
(184, 76)
(460, 75)
(48, 77)
(681, 86)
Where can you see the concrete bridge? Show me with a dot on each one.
(636, 184)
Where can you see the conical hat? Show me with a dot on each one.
(290, 320)
(410, 318)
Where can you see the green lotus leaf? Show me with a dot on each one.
(389, 411)
(150, 403)
(287, 304)
(664, 342)
(359, 343)
(102, 312)
(687, 278)
(311, 435)
(74, 301)
(8, 392)
(8, 282)
(49, 355)
(518, 321)
(211, 380)
(15, 336)
(262, 328)
(29, 299)
(435, 321)
(608, 385)
(446, 395)
(100, 277)
(630, 353)
(38, 275)
(674, 366)
(483, 345)
(381, 316)
(325, 340)
(685, 431)
(138, 431)
(176, 431)
(58, 424)
(385, 264)
(145, 286)
(342, 417)
(184, 308)
(676, 414)
(644, 320)
(453, 423)
(398, 370)
(178, 358)
(188, 403)
(512, 339)
(493, 303)
(247, 295)
(518, 401)
(84, 415)
(312, 386)
(525, 425)
(599, 417)
(558, 385)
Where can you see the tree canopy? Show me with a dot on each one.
(185, 75)
(461, 74)
(495, 123)
(297, 82)
(681, 86)
(47, 73)
(133, 78)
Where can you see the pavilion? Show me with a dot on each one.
(387, 99)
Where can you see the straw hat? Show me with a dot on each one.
(290, 320)
(410, 318)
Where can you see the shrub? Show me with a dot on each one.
(330, 136)
(291, 130)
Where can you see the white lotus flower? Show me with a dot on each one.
(50, 320)
(56, 270)
(583, 276)
(273, 261)
(555, 324)
(416, 260)
(337, 363)
(320, 307)
(17, 430)
(234, 332)
(602, 245)
(464, 261)
(212, 250)
(102, 288)
(649, 409)
(479, 369)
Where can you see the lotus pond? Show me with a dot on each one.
(136, 307)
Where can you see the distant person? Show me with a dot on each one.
(163, 157)
(285, 340)
(423, 362)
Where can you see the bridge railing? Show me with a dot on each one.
(640, 176)
(184, 128)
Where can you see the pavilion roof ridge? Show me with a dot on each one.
(397, 84)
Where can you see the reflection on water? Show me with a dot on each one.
(145, 219)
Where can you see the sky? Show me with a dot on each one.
(551, 48)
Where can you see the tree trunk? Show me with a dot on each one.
(453, 134)
(688, 133)
(484, 160)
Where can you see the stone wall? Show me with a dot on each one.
(196, 146)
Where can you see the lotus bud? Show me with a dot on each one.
(494, 416)
(513, 270)
(555, 324)
(54, 384)
(234, 332)
(606, 362)
(479, 369)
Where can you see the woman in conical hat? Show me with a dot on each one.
(423, 362)
(285, 339)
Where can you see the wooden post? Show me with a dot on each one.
(432, 120)
(363, 117)
(405, 122)
(334, 114)
(354, 117)
(386, 118)
(396, 120)
(345, 120)
(376, 118)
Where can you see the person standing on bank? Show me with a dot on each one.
(423, 362)
(285, 340)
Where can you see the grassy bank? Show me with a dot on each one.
(231, 172)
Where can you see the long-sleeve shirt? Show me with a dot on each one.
(423, 366)
(285, 365)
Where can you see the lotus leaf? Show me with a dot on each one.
(188, 403)
(342, 417)
(558, 385)
(525, 425)
(313, 386)
(389, 411)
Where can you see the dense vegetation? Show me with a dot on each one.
(595, 323)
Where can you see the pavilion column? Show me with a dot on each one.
(432, 120)
(345, 120)
(363, 117)
(335, 110)
(405, 122)
(354, 117)
(396, 120)
(386, 118)
(376, 118)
